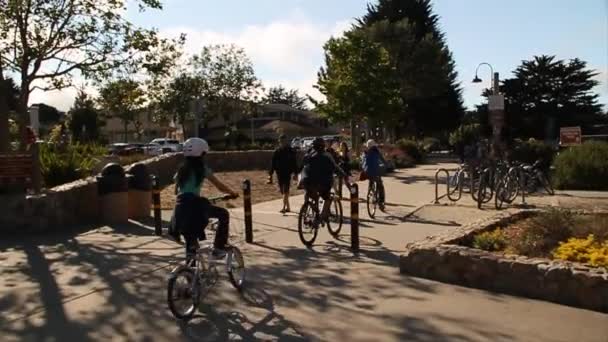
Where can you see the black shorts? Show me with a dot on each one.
(284, 183)
(318, 191)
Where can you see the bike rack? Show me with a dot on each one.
(447, 185)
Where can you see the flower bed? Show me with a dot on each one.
(451, 257)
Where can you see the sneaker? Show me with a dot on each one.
(218, 253)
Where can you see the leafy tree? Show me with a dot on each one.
(48, 114)
(84, 119)
(228, 80)
(358, 81)
(175, 98)
(288, 97)
(122, 99)
(47, 42)
(408, 29)
(546, 90)
(9, 95)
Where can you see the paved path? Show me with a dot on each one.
(109, 284)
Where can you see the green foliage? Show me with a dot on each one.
(84, 119)
(546, 88)
(412, 149)
(175, 99)
(283, 96)
(495, 240)
(424, 66)
(465, 135)
(541, 234)
(122, 99)
(532, 150)
(64, 165)
(430, 144)
(358, 80)
(583, 167)
(587, 251)
(228, 80)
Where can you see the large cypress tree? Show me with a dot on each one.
(409, 30)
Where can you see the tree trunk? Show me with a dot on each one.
(126, 131)
(4, 126)
(22, 110)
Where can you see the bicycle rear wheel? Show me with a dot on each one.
(335, 216)
(372, 200)
(307, 227)
(235, 264)
(182, 293)
(546, 184)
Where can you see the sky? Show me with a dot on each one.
(284, 38)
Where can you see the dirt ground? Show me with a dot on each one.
(260, 191)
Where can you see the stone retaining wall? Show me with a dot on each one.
(441, 258)
(77, 203)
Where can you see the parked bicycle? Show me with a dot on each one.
(191, 281)
(310, 218)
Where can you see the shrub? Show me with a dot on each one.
(430, 144)
(495, 240)
(66, 165)
(583, 167)
(596, 225)
(411, 148)
(588, 251)
(465, 135)
(533, 150)
(539, 235)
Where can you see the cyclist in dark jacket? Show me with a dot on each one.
(285, 165)
(318, 174)
(372, 160)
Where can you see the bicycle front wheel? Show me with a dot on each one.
(307, 227)
(182, 293)
(235, 263)
(546, 184)
(372, 200)
(335, 216)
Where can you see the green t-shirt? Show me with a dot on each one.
(190, 186)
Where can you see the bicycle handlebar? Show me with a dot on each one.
(222, 198)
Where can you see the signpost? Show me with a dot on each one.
(570, 136)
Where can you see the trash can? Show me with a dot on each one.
(140, 191)
(113, 189)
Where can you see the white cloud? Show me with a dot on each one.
(287, 52)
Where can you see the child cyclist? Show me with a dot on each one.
(192, 210)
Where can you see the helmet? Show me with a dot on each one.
(318, 143)
(195, 147)
(370, 143)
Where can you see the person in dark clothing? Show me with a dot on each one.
(285, 165)
(318, 174)
(192, 211)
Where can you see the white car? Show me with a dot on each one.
(163, 145)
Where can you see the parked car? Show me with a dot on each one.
(296, 143)
(153, 149)
(137, 148)
(307, 143)
(119, 149)
(168, 145)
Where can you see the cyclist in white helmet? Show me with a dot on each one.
(192, 210)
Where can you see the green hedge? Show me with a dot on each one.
(583, 167)
(533, 150)
(465, 135)
(412, 149)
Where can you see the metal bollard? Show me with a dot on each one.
(247, 211)
(354, 218)
(158, 223)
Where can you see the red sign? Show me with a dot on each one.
(569, 136)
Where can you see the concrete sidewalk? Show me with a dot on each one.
(110, 284)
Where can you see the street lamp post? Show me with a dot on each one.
(496, 105)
